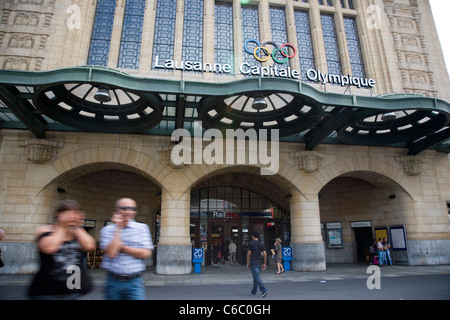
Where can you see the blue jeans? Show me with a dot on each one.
(388, 257)
(116, 289)
(381, 258)
(257, 280)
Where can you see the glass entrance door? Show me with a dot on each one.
(221, 214)
(219, 236)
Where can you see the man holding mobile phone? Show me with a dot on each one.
(126, 244)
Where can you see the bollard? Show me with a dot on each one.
(197, 259)
(287, 258)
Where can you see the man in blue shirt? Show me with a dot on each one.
(126, 244)
(256, 261)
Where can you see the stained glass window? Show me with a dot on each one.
(325, 2)
(164, 39)
(193, 30)
(250, 30)
(350, 4)
(347, 4)
(331, 44)
(305, 48)
(354, 48)
(223, 33)
(279, 35)
(101, 33)
(130, 44)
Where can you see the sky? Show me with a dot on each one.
(441, 11)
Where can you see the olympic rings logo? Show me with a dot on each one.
(261, 53)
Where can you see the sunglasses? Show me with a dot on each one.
(127, 208)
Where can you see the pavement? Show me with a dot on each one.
(239, 274)
(223, 292)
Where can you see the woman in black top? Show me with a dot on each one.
(62, 274)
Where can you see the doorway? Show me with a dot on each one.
(222, 231)
(363, 238)
(269, 229)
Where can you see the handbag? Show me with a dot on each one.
(375, 260)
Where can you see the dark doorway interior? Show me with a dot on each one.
(363, 237)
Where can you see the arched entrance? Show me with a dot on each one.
(230, 206)
(352, 206)
(97, 187)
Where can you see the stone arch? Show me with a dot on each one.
(287, 178)
(70, 174)
(364, 190)
(174, 248)
(275, 188)
(83, 161)
(374, 171)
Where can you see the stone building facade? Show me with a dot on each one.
(337, 182)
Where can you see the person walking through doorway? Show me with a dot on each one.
(126, 244)
(256, 261)
(232, 247)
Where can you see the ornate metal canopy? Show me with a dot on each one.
(67, 99)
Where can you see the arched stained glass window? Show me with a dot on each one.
(241, 201)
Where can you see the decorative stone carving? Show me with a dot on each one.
(41, 151)
(24, 41)
(166, 158)
(307, 161)
(35, 2)
(409, 42)
(25, 50)
(412, 165)
(16, 63)
(28, 19)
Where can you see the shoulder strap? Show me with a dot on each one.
(42, 235)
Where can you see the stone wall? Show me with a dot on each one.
(399, 42)
(349, 183)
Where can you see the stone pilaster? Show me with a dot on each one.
(174, 248)
(306, 239)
